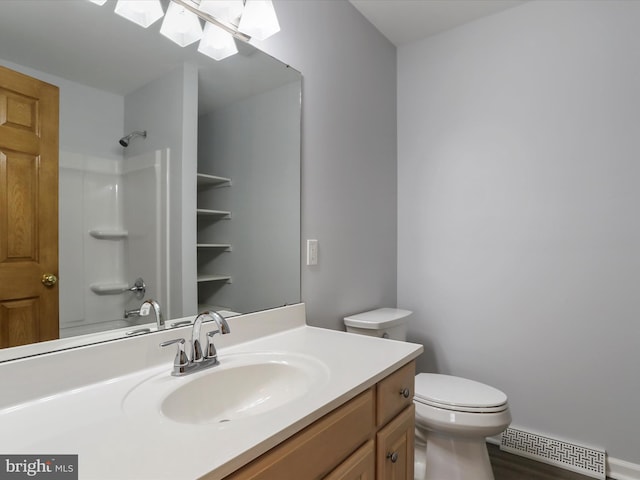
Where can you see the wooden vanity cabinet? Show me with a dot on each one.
(370, 437)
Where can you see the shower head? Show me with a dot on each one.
(124, 141)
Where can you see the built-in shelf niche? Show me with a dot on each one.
(110, 288)
(205, 247)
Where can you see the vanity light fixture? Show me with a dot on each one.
(228, 11)
(259, 19)
(142, 12)
(216, 43)
(224, 20)
(181, 26)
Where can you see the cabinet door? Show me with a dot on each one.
(395, 443)
(359, 466)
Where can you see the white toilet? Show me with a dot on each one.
(453, 415)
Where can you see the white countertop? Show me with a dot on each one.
(89, 420)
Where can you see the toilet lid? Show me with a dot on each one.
(459, 394)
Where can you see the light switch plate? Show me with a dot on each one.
(312, 252)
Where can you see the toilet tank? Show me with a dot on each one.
(383, 322)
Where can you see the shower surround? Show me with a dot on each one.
(113, 225)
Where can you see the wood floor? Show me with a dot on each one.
(507, 466)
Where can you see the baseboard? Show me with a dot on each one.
(621, 470)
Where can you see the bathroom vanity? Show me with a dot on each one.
(287, 401)
(370, 436)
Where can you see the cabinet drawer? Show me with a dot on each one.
(395, 393)
(319, 448)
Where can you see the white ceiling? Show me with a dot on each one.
(80, 41)
(406, 21)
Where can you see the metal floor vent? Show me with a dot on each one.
(585, 460)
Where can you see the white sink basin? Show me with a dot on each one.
(241, 386)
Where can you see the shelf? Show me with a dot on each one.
(108, 288)
(222, 246)
(214, 278)
(106, 234)
(213, 213)
(208, 248)
(205, 180)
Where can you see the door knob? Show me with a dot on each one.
(49, 279)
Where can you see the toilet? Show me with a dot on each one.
(453, 415)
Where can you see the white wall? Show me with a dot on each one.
(518, 221)
(90, 119)
(348, 154)
(167, 109)
(144, 201)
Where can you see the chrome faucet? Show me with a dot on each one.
(200, 359)
(144, 309)
(223, 329)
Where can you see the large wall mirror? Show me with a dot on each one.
(203, 204)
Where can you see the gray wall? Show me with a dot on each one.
(518, 215)
(348, 154)
(256, 143)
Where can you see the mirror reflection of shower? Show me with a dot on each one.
(124, 141)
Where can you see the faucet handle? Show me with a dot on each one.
(181, 359)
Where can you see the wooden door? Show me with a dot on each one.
(28, 209)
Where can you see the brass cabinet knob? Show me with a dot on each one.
(49, 279)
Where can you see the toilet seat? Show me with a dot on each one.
(458, 394)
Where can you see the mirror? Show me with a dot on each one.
(205, 208)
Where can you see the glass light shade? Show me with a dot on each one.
(98, 2)
(216, 43)
(142, 12)
(226, 10)
(259, 19)
(181, 26)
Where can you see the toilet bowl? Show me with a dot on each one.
(453, 418)
(453, 415)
